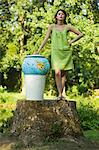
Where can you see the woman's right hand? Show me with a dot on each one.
(70, 43)
(36, 52)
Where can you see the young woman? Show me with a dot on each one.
(61, 54)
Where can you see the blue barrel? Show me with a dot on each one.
(35, 68)
(35, 64)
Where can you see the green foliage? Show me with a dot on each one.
(5, 113)
(5, 120)
(10, 62)
(7, 107)
(89, 116)
(50, 88)
(73, 91)
(92, 134)
(24, 27)
(2, 89)
(5, 13)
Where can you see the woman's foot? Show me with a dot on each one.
(63, 98)
(59, 98)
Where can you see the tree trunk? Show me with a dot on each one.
(36, 121)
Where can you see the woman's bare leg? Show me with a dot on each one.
(58, 81)
(63, 75)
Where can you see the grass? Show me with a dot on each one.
(92, 134)
(8, 104)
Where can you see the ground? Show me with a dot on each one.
(12, 143)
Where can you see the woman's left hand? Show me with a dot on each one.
(70, 43)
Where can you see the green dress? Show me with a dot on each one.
(61, 53)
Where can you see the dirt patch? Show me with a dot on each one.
(6, 143)
(12, 143)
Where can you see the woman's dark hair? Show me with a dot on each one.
(64, 17)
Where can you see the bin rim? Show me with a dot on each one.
(36, 55)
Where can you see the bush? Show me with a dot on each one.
(89, 116)
(2, 89)
(7, 107)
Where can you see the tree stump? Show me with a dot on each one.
(35, 121)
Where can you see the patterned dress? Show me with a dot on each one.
(61, 53)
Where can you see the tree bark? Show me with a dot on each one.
(36, 121)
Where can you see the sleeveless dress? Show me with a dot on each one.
(61, 53)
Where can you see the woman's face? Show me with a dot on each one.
(60, 16)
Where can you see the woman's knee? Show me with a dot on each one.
(64, 73)
(57, 72)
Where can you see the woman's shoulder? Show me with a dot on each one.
(69, 26)
(50, 26)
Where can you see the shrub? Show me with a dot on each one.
(89, 116)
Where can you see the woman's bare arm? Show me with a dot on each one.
(46, 38)
(79, 34)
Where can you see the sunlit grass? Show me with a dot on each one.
(12, 97)
(92, 134)
(78, 99)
